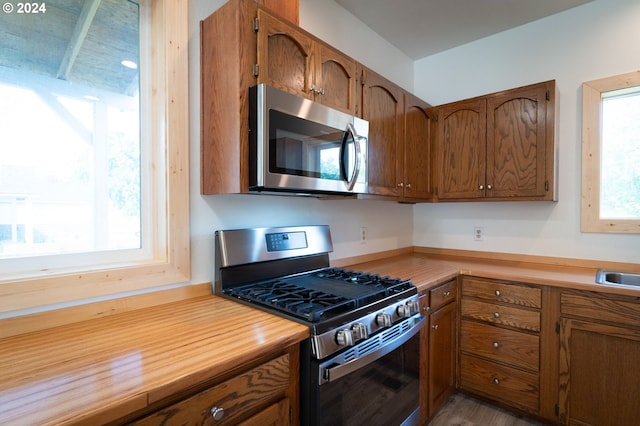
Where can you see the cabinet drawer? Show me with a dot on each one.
(620, 310)
(499, 344)
(443, 294)
(237, 397)
(495, 291)
(501, 383)
(501, 314)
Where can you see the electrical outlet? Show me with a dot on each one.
(363, 235)
(478, 233)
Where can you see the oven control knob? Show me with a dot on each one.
(406, 310)
(414, 307)
(383, 320)
(344, 337)
(359, 331)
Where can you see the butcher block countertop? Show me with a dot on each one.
(428, 268)
(96, 371)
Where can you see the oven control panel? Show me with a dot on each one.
(354, 332)
(281, 241)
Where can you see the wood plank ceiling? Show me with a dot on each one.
(83, 42)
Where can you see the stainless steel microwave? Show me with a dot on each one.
(298, 146)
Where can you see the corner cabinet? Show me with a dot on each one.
(439, 346)
(243, 45)
(263, 395)
(499, 146)
(383, 106)
(399, 152)
(599, 359)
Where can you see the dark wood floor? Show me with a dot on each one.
(462, 410)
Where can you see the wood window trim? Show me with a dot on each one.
(591, 140)
(170, 121)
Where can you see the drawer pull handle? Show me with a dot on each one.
(496, 381)
(435, 326)
(446, 294)
(217, 413)
(496, 314)
(495, 344)
(498, 293)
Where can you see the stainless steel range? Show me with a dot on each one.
(361, 363)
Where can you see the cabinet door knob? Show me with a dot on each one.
(498, 293)
(496, 381)
(435, 326)
(495, 344)
(409, 185)
(400, 185)
(481, 186)
(446, 294)
(488, 186)
(496, 314)
(217, 413)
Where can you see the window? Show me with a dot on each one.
(611, 154)
(95, 201)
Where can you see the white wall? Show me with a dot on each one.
(390, 225)
(592, 41)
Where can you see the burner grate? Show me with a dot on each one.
(322, 294)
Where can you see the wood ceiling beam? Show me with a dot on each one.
(77, 38)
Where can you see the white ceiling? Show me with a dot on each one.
(421, 28)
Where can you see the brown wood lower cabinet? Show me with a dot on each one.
(599, 359)
(500, 342)
(439, 347)
(259, 396)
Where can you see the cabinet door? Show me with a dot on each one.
(383, 106)
(599, 374)
(417, 155)
(442, 355)
(335, 79)
(460, 141)
(285, 56)
(516, 143)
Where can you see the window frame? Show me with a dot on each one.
(169, 262)
(591, 145)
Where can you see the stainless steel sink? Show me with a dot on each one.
(617, 278)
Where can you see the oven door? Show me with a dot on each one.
(297, 145)
(374, 383)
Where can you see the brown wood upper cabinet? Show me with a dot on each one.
(287, 9)
(499, 146)
(399, 149)
(382, 106)
(292, 60)
(243, 45)
(417, 157)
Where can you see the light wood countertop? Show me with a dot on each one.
(99, 370)
(428, 270)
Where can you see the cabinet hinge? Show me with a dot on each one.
(548, 96)
(256, 24)
(556, 410)
(557, 327)
(256, 70)
(546, 186)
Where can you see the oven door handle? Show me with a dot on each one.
(334, 372)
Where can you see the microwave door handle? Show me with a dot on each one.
(356, 170)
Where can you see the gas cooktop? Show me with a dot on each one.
(323, 294)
